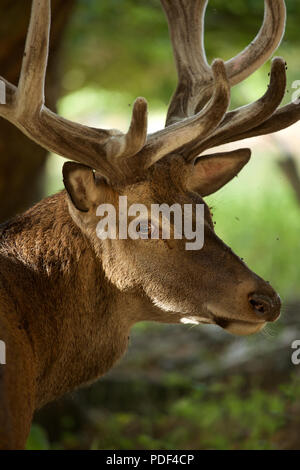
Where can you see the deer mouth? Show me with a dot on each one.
(233, 326)
(239, 327)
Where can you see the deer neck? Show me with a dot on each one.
(75, 320)
(72, 316)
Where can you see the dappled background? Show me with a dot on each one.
(178, 386)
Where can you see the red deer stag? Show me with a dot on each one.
(69, 299)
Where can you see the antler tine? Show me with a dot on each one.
(262, 47)
(186, 25)
(31, 87)
(177, 135)
(281, 119)
(246, 117)
(25, 108)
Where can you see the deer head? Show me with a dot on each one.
(209, 285)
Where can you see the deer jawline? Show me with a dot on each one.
(233, 326)
(239, 327)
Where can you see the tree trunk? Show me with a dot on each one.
(22, 162)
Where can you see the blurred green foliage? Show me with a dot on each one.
(38, 439)
(220, 415)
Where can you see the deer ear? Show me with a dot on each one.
(212, 172)
(80, 183)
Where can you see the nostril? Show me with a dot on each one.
(260, 304)
(266, 307)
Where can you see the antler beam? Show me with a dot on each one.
(283, 118)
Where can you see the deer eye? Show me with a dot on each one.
(148, 229)
(144, 228)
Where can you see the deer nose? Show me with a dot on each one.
(265, 306)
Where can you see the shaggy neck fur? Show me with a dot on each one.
(65, 306)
